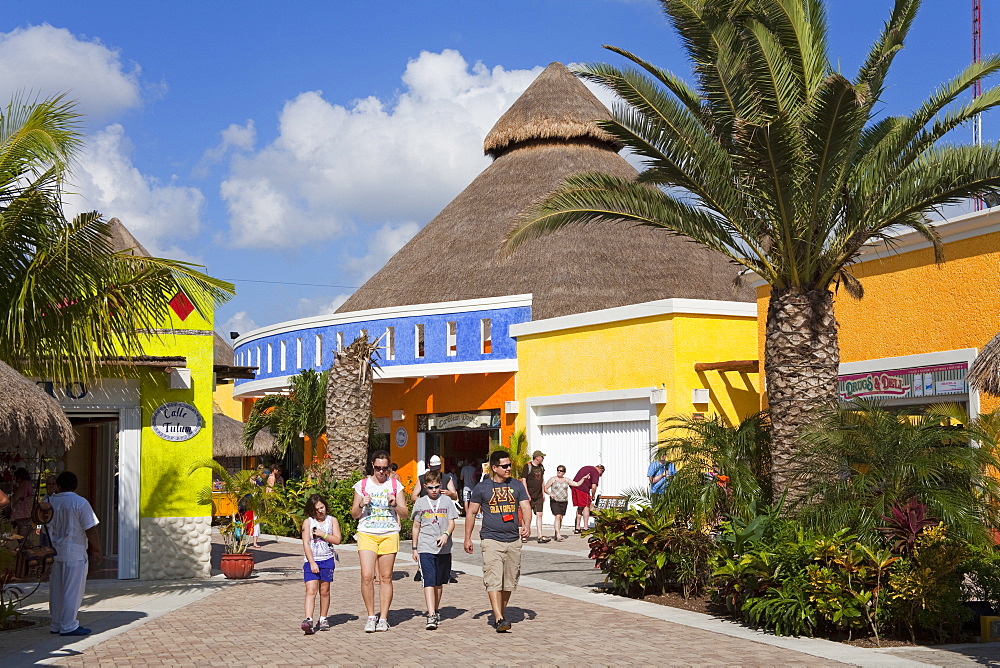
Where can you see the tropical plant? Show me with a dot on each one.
(864, 459)
(349, 405)
(67, 298)
(517, 447)
(780, 162)
(290, 417)
(722, 470)
(904, 526)
(242, 489)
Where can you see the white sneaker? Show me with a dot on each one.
(371, 624)
(382, 625)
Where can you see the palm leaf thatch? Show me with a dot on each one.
(548, 135)
(984, 374)
(31, 422)
(227, 439)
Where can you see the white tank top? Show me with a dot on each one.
(321, 549)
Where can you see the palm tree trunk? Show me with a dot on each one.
(349, 408)
(801, 361)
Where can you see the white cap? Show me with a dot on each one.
(435, 461)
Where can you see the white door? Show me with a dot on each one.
(622, 447)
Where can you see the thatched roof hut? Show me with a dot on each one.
(227, 439)
(122, 239)
(31, 422)
(548, 134)
(984, 374)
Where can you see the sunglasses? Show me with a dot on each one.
(433, 486)
(560, 470)
(503, 466)
(381, 468)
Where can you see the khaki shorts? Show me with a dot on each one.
(501, 564)
(385, 544)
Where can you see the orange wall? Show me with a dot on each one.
(912, 305)
(444, 394)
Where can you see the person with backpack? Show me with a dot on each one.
(379, 503)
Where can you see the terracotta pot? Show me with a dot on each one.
(237, 566)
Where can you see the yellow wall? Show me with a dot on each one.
(913, 306)
(166, 489)
(644, 352)
(223, 398)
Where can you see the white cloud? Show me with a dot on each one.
(157, 213)
(334, 167)
(42, 61)
(240, 322)
(382, 245)
(320, 305)
(234, 138)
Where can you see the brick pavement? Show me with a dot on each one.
(556, 621)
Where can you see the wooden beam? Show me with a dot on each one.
(743, 366)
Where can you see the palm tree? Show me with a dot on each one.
(870, 459)
(780, 162)
(288, 418)
(349, 406)
(67, 298)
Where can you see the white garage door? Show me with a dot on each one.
(622, 447)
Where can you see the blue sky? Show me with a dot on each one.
(305, 142)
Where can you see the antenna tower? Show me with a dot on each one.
(977, 88)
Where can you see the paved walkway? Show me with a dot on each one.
(558, 620)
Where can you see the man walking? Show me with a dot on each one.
(533, 479)
(73, 529)
(470, 478)
(499, 497)
(583, 495)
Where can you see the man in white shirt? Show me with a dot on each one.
(73, 529)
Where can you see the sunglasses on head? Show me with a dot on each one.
(433, 486)
(381, 468)
(503, 466)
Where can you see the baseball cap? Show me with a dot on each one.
(537, 453)
(435, 461)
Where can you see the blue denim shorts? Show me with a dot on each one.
(325, 571)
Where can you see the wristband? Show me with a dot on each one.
(445, 533)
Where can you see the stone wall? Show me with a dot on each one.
(175, 547)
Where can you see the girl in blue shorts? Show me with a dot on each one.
(320, 532)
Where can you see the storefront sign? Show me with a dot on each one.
(402, 436)
(489, 419)
(929, 381)
(176, 421)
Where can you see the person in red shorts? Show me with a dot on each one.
(583, 496)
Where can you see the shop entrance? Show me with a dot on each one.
(94, 460)
(460, 446)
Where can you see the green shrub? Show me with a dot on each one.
(982, 581)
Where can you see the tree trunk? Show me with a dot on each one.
(349, 408)
(801, 361)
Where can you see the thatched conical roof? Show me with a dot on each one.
(223, 352)
(580, 269)
(227, 438)
(556, 106)
(31, 422)
(984, 374)
(122, 239)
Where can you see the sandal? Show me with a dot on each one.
(576, 530)
(543, 539)
(524, 540)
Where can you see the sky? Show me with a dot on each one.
(293, 147)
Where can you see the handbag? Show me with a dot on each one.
(35, 561)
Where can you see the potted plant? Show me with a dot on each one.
(245, 494)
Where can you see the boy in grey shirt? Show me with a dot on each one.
(433, 524)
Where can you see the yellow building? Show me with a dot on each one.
(593, 387)
(909, 342)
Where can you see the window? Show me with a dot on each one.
(298, 353)
(418, 341)
(486, 331)
(390, 343)
(269, 351)
(258, 358)
(283, 347)
(319, 350)
(452, 339)
(340, 341)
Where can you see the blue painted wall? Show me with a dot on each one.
(435, 341)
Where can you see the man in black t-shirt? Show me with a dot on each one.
(499, 497)
(533, 479)
(448, 487)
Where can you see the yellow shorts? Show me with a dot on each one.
(384, 544)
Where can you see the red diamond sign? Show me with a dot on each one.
(181, 305)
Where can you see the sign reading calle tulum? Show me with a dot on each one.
(176, 421)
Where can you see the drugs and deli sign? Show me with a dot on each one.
(176, 421)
